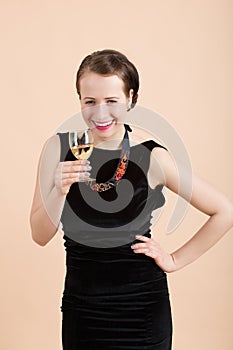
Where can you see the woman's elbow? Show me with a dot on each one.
(37, 238)
(42, 230)
(227, 212)
(36, 233)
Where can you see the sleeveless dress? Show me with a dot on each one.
(113, 298)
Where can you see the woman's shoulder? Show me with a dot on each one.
(139, 135)
(50, 150)
(52, 143)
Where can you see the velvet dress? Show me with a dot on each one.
(113, 298)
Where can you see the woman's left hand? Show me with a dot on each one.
(153, 249)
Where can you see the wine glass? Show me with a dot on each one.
(81, 144)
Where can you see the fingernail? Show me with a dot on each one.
(138, 236)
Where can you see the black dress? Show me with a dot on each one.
(113, 299)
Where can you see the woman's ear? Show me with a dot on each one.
(131, 95)
(130, 98)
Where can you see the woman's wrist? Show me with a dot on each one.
(176, 262)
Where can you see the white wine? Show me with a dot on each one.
(82, 151)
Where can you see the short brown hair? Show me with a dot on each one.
(111, 62)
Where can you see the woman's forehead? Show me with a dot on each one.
(92, 83)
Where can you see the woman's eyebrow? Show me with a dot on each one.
(106, 98)
(111, 97)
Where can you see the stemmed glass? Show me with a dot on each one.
(81, 144)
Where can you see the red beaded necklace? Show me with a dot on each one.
(121, 167)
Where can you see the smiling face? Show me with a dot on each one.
(104, 104)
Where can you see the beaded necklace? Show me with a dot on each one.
(121, 167)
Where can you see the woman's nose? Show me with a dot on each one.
(101, 112)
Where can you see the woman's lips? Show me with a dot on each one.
(103, 125)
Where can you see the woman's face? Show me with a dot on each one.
(104, 104)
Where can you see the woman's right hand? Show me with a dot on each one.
(69, 172)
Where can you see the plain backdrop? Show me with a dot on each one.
(183, 52)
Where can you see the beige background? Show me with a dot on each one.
(183, 51)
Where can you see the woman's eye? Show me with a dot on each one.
(89, 102)
(111, 101)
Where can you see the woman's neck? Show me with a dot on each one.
(112, 142)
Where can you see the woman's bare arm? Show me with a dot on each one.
(54, 179)
(48, 202)
(209, 201)
(205, 198)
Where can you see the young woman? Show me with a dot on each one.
(115, 294)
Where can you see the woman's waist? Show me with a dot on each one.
(106, 242)
(99, 277)
(78, 252)
(83, 258)
(111, 266)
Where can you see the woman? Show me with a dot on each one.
(116, 295)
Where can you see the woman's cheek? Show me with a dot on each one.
(119, 113)
(87, 116)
